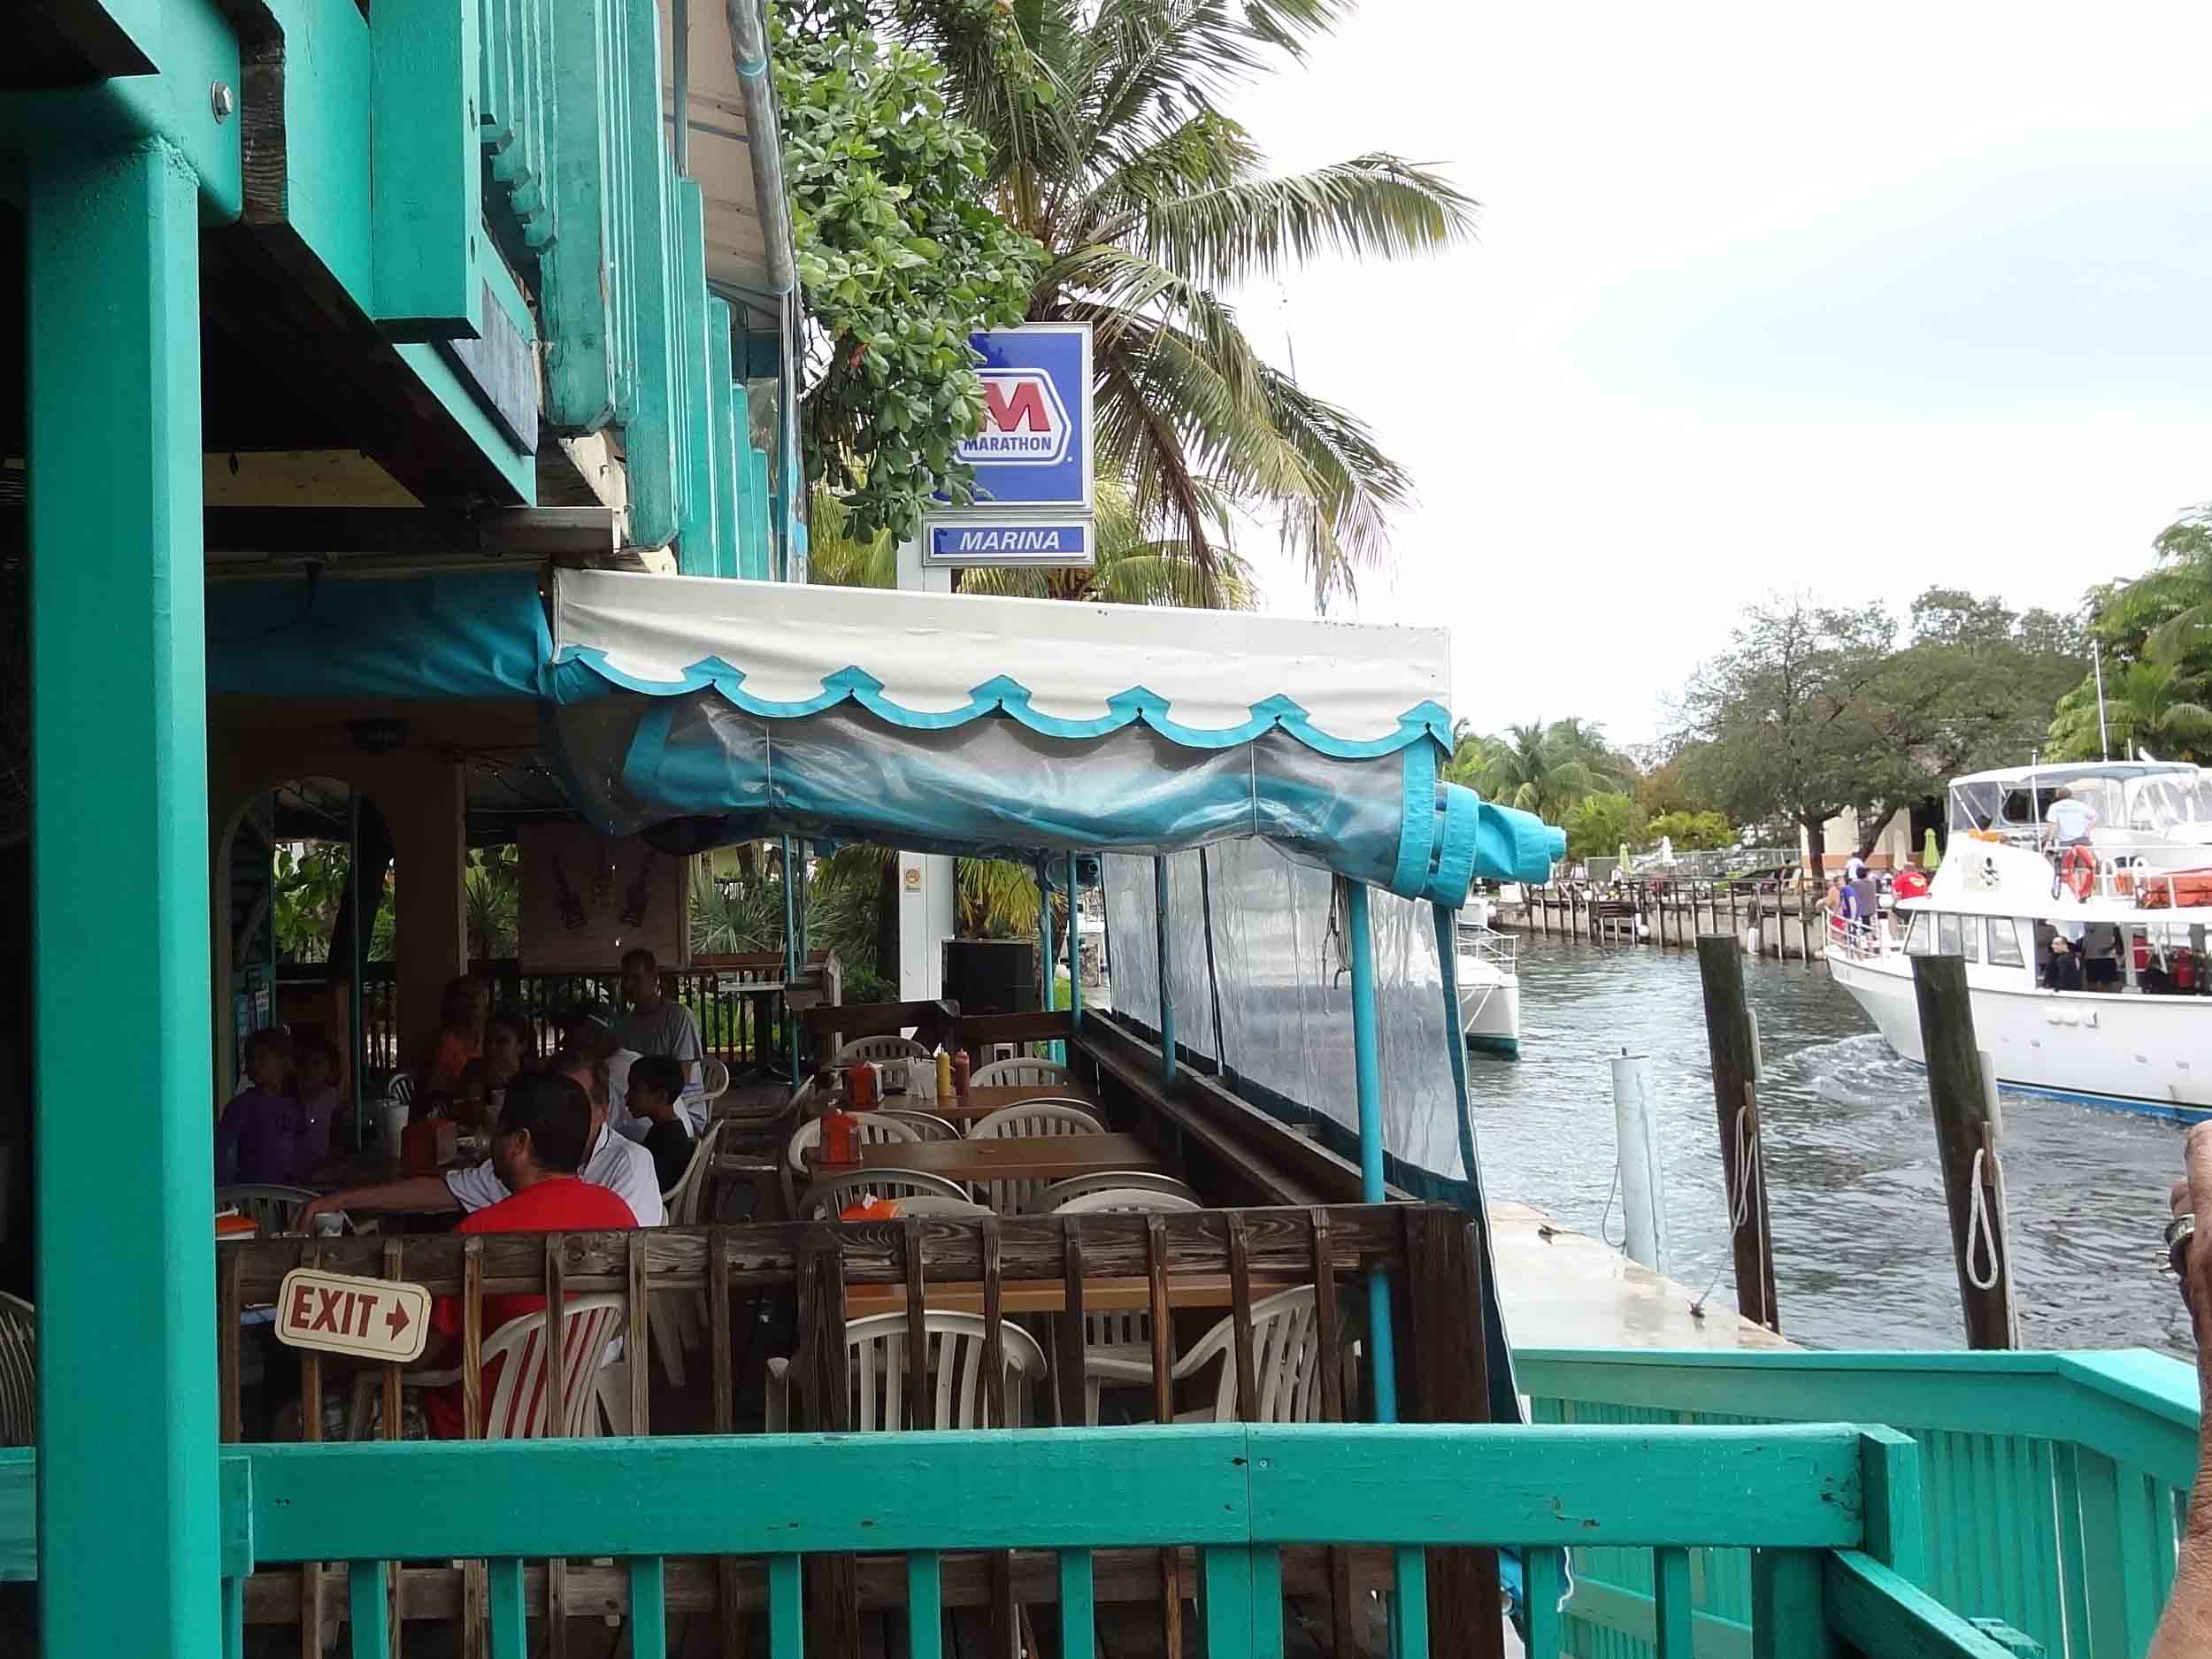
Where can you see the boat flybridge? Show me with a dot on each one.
(2086, 970)
(2157, 811)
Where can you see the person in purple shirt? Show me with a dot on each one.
(258, 1138)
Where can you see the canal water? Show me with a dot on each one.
(1862, 1256)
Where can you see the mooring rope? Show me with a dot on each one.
(1739, 1202)
(1979, 1227)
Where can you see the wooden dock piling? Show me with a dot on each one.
(1966, 1140)
(1736, 1103)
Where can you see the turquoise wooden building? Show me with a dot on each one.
(446, 288)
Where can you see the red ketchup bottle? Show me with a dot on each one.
(962, 1068)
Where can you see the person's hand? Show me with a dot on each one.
(2192, 1195)
(315, 1207)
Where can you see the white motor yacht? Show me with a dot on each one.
(2138, 1032)
(1489, 985)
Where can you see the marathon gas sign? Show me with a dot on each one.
(1033, 458)
(1034, 451)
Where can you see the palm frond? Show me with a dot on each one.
(1372, 206)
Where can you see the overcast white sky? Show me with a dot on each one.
(1856, 299)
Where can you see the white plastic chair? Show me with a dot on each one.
(875, 1358)
(682, 1200)
(826, 1199)
(1029, 1117)
(1021, 1074)
(1036, 1118)
(272, 1209)
(714, 1081)
(1125, 1201)
(874, 1129)
(19, 1372)
(1057, 1195)
(520, 1406)
(927, 1124)
(1288, 1351)
(888, 1048)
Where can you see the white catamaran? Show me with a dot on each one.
(2086, 969)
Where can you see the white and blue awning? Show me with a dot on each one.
(936, 722)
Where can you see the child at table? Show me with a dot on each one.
(319, 1099)
(258, 1138)
(656, 1082)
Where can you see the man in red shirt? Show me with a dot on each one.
(545, 1126)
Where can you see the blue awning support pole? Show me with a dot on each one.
(1075, 954)
(1167, 996)
(790, 957)
(1047, 960)
(1367, 1068)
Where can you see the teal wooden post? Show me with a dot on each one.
(126, 1270)
(726, 411)
(1167, 996)
(1367, 1070)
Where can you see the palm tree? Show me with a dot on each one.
(1535, 767)
(1109, 147)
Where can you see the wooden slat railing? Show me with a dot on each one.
(1831, 1512)
(1429, 1252)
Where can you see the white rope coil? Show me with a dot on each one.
(1980, 1229)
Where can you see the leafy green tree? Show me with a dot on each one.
(1692, 831)
(1781, 720)
(900, 260)
(1109, 145)
(1598, 825)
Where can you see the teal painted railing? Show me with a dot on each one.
(1830, 1511)
(581, 186)
(2053, 1483)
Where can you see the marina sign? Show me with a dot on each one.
(971, 541)
(337, 1313)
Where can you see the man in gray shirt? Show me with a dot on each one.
(656, 1025)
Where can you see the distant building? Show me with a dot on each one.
(1894, 847)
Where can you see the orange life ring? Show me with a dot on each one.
(2078, 871)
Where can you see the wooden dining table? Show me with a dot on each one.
(981, 1103)
(1008, 1158)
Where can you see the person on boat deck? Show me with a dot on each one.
(462, 1012)
(2067, 823)
(2100, 956)
(1847, 903)
(2057, 962)
(545, 1122)
(623, 1167)
(318, 1098)
(656, 1024)
(257, 1137)
(657, 1083)
(1869, 899)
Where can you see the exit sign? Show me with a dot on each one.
(336, 1313)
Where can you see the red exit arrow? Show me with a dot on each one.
(395, 1321)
